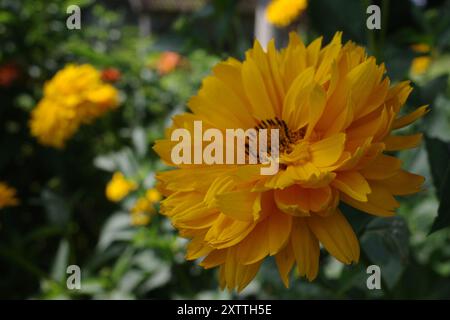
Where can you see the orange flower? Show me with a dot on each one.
(167, 62)
(111, 75)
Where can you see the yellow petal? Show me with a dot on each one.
(226, 232)
(197, 248)
(239, 205)
(380, 201)
(220, 105)
(295, 108)
(261, 59)
(293, 200)
(327, 151)
(411, 117)
(256, 91)
(245, 274)
(403, 183)
(398, 94)
(394, 143)
(299, 201)
(337, 236)
(235, 274)
(306, 249)
(353, 184)
(230, 73)
(285, 261)
(382, 167)
(181, 179)
(214, 258)
(317, 100)
(267, 238)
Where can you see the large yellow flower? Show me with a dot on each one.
(335, 109)
(282, 12)
(8, 196)
(74, 96)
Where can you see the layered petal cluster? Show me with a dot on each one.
(76, 95)
(8, 196)
(281, 13)
(337, 111)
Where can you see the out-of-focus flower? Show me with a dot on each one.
(143, 209)
(8, 196)
(76, 95)
(283, 12)
(153, 195)
(142, 212)
(8, 74)
(119, 187)
(111, 75)
(335, 110)
(168, 61)
(421, 47)
(140, 218)
(52, 124)
(420, 65)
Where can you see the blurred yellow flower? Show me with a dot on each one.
(140, 219)
(420, 65)
(52, 124)
(142, 211)
(119, 187)
(7, 196)
(335, 109)
(282, 12)
(421, 47)
(153, 195)
(75, 95)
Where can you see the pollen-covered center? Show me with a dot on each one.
(288, 138)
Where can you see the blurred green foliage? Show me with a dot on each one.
(64, 217)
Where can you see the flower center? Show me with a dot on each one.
(288, 137)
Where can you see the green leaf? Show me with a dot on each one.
(116, 228)
(139, 138)
(56, 207)
(427, 93)
(439, 159)
(61, 262)
(386, 244)
(443, 219)
(357, 219)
